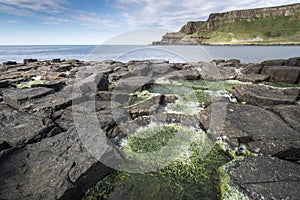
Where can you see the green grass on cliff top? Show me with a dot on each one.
(273, 30)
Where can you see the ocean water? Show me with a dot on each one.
(246, 54)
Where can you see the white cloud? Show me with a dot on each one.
(172, 14)
(93, 21)
(14, 11)
(48, 6)
(11, 21)
(56, 21)
(56, 12)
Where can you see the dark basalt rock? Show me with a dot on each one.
(21, 128)
(293, 62)
(42, 156)
(20, 98)
(147, 107)
(4, 84)
(10, 63)
(278, 62)
(252, 69)
(265, 96)
(211, 72)
(285, 74)
(56, 168)
(56, 85)
(56, 60)
(160, 69)
(28, 61)
(56, 101)
(134, 83)
(263, 131)
(254, 78)
(290, 114)
(283, 149)
(117, 75)
(140, 69)
(25, 68)
(184, 75)
(125, 129)
(264, 177)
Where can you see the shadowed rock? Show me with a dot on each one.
(20, 98)
(22, 128)
(56, 168)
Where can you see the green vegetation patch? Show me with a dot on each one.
(193, 175)
(152, 139)
(281, 29)
(30, 83)
(139, 96)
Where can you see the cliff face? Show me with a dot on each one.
(216, 20)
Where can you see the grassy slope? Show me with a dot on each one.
(273, 30)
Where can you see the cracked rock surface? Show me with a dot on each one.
(42, 155)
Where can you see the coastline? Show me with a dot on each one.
(205, 44)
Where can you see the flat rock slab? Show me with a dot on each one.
(56, 85)
(212, 72)
(267, 178)
(22, 128)
(285, 74)
(134, 83)
(140, 69)
(147, 107)
(20, 98)
(254, 78)
(261, 130)
(55, 101)
(264, 95)
(56, 168)
(159, 69)
(184, 75)
(125, 129)
(290, 114)
(107, 117)
(286, 149)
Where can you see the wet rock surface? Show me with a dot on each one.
(42, 156)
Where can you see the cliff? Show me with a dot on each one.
(261, 25)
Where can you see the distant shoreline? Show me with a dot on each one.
(224, 44)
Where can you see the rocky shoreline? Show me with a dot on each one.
(42, 156)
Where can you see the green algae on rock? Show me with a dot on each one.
(193, 175)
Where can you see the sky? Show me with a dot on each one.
(52, 22)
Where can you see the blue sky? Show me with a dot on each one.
(96, 21)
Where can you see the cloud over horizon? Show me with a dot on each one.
(172, 14)
(110, 17)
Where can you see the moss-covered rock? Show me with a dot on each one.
(193, 175)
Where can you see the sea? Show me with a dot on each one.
(125, 53)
